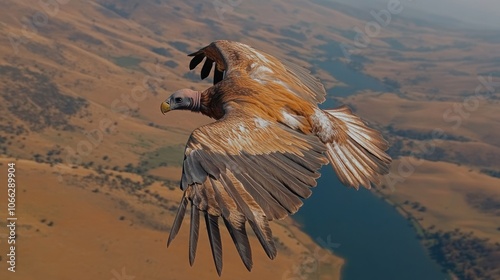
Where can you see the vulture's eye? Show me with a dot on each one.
(178, 100)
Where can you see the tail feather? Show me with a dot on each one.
(356, 151)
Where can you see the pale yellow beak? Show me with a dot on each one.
(164, 107)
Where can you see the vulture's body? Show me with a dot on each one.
(261, 157)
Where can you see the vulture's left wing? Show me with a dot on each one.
(245, 168)
(243, 61)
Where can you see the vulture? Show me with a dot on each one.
(261, 156)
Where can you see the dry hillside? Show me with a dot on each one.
(98, 165)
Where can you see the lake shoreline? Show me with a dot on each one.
(366, 231)
(415, 224)
(418, 227)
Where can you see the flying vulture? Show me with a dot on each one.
(261, 156)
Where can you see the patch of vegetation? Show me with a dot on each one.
(11, 128)
(118, 10)
(432, 49)
(463, 254)
(104, 31)
(162, 51)
(417, 80)
(425, 65)
(3, 145)
(180, 46)
(163, 156)
(391, 83)
(171, 63)
(289, 42)
(419, 144)
(213, 25)
(491, 172)
(438, 154)
(357, 62)
(54, 52)
(297, 35)
(484, 202)
(426, 135)
(492, 73)
(396, 148)
(489, 36)
(34, 99)
(346, 33)
(192, 76)
(399, 57)
(395, 44)
(350, 10)
(455, 72)
(80, 36)
(417, 206)
(127, 61)
(52, 156)
(402, 147)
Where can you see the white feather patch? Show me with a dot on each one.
(261, 123)
(261, 71)
(261, 57)
(322, 121)
(242, 128)
(293, 121)
(260, 74)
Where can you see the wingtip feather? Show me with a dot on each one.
(196, 61)
(207, 67)
(193, 233)
(215, 240)
(178, 219)
(265, 238)
(241, 243)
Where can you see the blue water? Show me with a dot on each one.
(356, 81)
(374, 239)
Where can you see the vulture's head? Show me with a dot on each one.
(183, 99)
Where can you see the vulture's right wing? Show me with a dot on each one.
(245, 168)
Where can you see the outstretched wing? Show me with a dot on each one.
(245, 169)
(233, 58)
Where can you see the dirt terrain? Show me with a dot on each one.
(98, 165)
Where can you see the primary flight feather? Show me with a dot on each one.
(262, 155)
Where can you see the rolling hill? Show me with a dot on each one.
(98, 165)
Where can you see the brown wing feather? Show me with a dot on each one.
(232, 169)
(193, 233)
(305, 82)
(357, 152)
(263, 68)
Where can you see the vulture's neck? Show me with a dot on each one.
(211, 103)
(196, 96)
